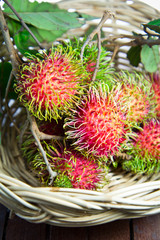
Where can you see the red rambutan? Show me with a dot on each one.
(98, 126)
(137, 103)
(145, 149)
(73, 169)
(83, 173)
(156, 87)
(148, 140)
(49, 83)
(90, 66)
(135, 94)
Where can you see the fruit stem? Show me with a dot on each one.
(15, 59)
(97, 30)
(37, 135)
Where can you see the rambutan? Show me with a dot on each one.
(48, 84)
(73, 169)
(53, 128)
(84, 173)
(136, 95)
(90, 66)
(155, 78)
(98, 125)
(145, 149)
(104, 71)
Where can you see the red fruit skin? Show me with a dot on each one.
(46, 86)
(148, 140)
(156, 88)
(90, 67)
(83, 173)
(136, 102)
(51, 79)
(97, 126)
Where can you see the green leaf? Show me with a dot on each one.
(153, 25)
(44, 15)
(5, 70)
(23, 6)
(24, 40)
(134, 55)
(50, 21)
(46, 21)
(150, 57)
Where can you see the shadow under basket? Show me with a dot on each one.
(125, 196)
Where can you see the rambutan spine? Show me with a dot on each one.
(136, 94)
(73, 169)
(98, 125)
(145, 149)
(49, 84)
(155, 80)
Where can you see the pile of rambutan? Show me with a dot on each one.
(87, 126)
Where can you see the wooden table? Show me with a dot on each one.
(147, 228)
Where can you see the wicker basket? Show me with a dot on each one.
(126, 196)
(129, 17)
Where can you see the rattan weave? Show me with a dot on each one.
(129, 17)
(126, 196)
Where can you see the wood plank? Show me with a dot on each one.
(147, 228)
(19, 229)
(68, 233)
(3, 216)
(117, 230)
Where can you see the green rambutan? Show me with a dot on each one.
(98, 125)
(145, 149)
(48, 84)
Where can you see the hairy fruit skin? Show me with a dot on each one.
(73, 169)
(148, 140)
(136, 95)
(145, 149)
(137, 103)
(156, 87)
(97, 126)
(48, 85)
(83, 173)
